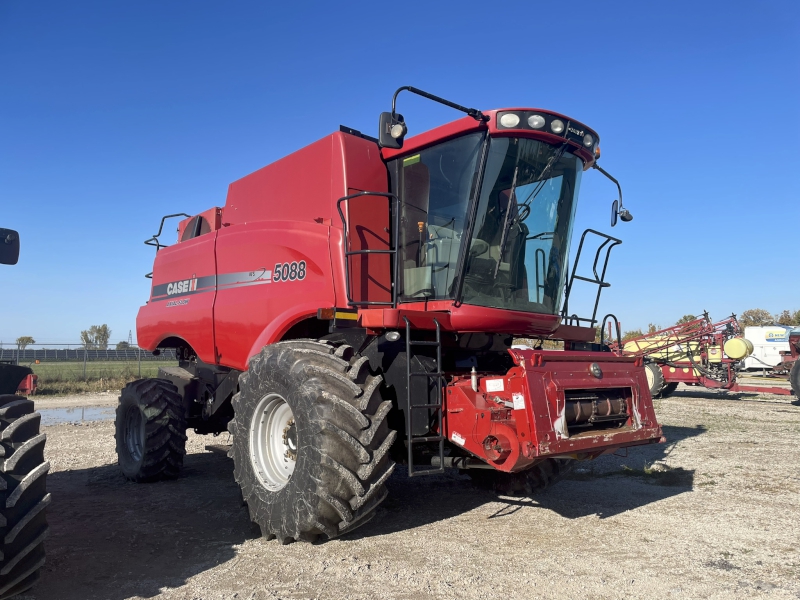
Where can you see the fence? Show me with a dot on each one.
(52, 354)
(64, 368)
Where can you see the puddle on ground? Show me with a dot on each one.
(77, 414)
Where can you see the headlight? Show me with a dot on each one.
(509, 120)
(588, 140)
(557, 126)
(536, 121)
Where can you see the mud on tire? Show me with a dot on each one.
(342, 439)
(150, 430)
(23, 495)
(538, 478)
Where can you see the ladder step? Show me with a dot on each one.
(412, 343)
(426, 406)
(428, 438)
(427, 374)
(426, 471)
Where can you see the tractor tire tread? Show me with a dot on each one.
(164, 444)
(340, 481)
(23, 496)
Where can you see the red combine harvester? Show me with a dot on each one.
(698, 352)
(353, 305)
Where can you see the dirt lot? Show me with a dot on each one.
(714, 513)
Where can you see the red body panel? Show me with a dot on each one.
(185, 315)
(282, 214)
(256, 299)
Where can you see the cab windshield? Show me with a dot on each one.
(520, 239)
(529, 190)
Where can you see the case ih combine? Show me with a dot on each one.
(352, 306)
(701, 353)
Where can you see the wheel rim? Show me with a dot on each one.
(273, 442)
(134, 433)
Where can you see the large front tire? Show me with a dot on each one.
(310, 440)
(23, 496)
(150, 430)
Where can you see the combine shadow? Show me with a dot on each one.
(605, 487)
(111, 539)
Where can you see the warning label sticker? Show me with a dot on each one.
(519, 401)
(494, 385)
(457, 438)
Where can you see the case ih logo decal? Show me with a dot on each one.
(288, 271)
(188, 285)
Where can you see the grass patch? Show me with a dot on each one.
(68, 377)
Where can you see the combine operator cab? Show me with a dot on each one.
(353, 306)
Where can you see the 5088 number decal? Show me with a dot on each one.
(293, 271)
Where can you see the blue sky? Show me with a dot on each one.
(113, 114)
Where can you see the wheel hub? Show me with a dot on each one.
(273, 442)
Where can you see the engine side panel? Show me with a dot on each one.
(182, 297)
(264, 270)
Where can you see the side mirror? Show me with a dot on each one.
(9, 247)
(614, 212)
(391, 130)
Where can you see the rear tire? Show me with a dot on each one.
(538, 478)
(150, 430)
(23, 498)
(310, 440)
(794, 380)
(655, 379)
(668, 389)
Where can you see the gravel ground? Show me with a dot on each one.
(713, 513)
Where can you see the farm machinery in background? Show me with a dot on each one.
(352, 306)
(699, 352)
(23, 470)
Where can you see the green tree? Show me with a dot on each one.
(685, 319)
(25, 340)
(652, 328)
(123, 345)
(96, 337)
(629, 335)
(789, 318)
(756, 317)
